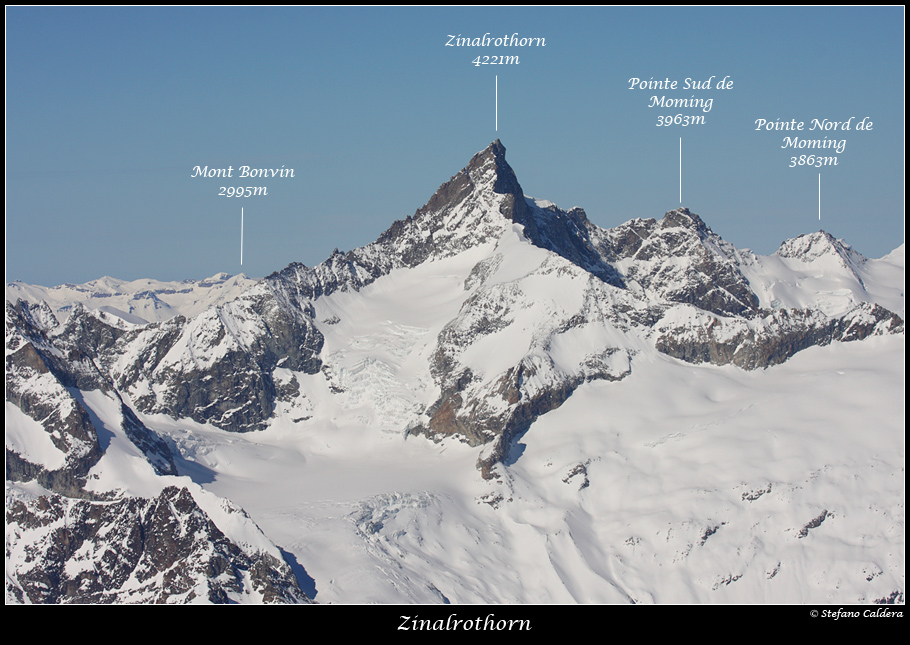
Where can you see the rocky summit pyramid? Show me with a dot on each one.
(468, 321)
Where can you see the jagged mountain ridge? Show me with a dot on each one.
(136, 550)
(543, 301)
(644, 269)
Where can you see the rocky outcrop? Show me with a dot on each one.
(33, 386)
(217, 367)
(494, 408)
(771, 338)
(134, 550)
(679, 259)
(44, 380)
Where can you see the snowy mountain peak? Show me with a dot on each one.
(807, 246)
(471, 209)
(684, 218)
(824, 252)
(506, 182)
(814, 245)
(486, 186)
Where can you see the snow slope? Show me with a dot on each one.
(692, 484)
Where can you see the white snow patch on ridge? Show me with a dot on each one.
(29, 439)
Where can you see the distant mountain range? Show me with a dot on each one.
(138, 301)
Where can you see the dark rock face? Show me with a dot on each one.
(570, 235)
(67, 481)
(33, 386)
(43, 379)
(497, 414)
(135, 550)
(709, 276)
(224, 376)
(494, 410)
(777, 335)
(813, 524)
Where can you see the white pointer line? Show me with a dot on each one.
(497, 103)
(241, 236)
(680, 170)
(819, 197)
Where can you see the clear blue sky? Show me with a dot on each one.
(108, 111)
